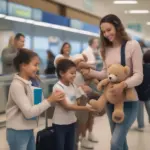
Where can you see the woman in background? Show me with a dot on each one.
(50, 69)
(64, 53)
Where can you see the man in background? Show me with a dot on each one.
(92, 52)
(9, 53)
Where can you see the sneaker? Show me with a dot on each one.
(92, 138)
(138, 129)
(86, 144)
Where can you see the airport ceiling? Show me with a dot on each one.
(130, 14)
(103, 7)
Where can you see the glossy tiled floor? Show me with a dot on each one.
(137, 140)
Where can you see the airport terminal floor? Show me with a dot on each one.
(137, 140)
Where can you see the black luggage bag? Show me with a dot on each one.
(45, 139)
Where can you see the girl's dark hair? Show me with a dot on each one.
(63, 66)
(24, 56)
(146, 57)
(120, 30)
(62, 48)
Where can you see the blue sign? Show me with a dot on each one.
(91, 28)
(55, 19)
(76, 24)
(3, 7)
(84, 26)
(18, 10)
(37, 14)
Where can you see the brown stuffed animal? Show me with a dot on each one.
(81, 62)
(116, 74)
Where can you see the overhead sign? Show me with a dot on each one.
(135, 26)
(18, 10)
(91, 28)
(36, 14)
(55, 19)
(3, 7)
(76, 24)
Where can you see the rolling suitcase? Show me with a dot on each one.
(45, 139)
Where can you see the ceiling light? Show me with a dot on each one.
(148, 23)
(125, 2)
(137, 11)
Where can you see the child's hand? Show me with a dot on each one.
(56, 96)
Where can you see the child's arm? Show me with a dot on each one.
(75, 107)
(22, 101)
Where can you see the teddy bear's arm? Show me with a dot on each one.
(102, 84)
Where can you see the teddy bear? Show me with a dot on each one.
(116, 74)
(81, 62)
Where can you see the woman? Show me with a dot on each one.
(112, 36)
(64, 53)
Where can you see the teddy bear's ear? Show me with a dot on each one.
(127, 70)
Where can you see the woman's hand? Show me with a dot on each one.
(118, 88)
(56, 96)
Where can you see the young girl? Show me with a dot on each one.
(113, 35)
(21, 113)
(64, 119)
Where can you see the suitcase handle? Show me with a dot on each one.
(46, 120)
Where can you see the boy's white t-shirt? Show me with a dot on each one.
(61, 115)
